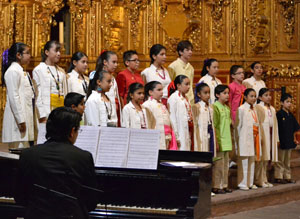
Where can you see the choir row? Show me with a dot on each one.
(250, 129)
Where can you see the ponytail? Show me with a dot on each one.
(99, 75)
(9, 56)
(173, 85)
(76, 57)
(105, 55)
(207, 63)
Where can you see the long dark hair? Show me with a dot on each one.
(155, 50)
(198, 89)
(10, 56)
(219, 89)
(150, 86)
(261, 92)
(76, 57)
(207, 63)
(99, 75)
(103, 56)
(132, 88)
(48, 46)
(178, 80)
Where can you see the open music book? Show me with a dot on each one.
(117, 147)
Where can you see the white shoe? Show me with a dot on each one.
(244, 188)
(212, 194)
(270, 185)
(253, 187)
(265, 185)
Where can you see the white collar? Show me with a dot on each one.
(17, 65)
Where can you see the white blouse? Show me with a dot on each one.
(161, 75)
(77, 85)
(212, 83)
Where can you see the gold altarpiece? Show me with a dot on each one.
(233, 31)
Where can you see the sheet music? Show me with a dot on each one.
(9, 155)
(88, 138)
(41, 133)
(143, 149)
(113, 147)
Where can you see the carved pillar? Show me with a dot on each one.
(44, 10)
(78, 10)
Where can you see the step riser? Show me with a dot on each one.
(254, 203)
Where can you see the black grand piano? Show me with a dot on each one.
(182, 191)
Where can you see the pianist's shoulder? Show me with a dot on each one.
(64, 150)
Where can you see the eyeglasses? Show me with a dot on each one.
(238, 73)
(134, 60)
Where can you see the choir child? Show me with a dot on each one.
(156, 71)
(221, 122)
(134, 114)
(75, 101)
(50, 80)
(287, 126)
(77, 81)
(161, 117)
(209, 76)
(100, 111)
(236, 89)
(181, 65)
(248, 140)
(269, 137)
(108, 61)
(181, 113)
(204, 134)
(129, 75)
(255, 81)
(19, 114)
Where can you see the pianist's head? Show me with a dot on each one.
(63, 125)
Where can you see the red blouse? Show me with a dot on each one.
(124, 80)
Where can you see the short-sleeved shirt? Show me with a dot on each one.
(287, 126)
(179, 67)
(162, 76)
(124, 80)
(222, 123)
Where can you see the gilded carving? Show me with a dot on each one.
(284, 70)
(288, 13)
(234, 25)
(19, 23)
(29, 26)
(172, 13)
(44, 12)
(217, 8)
(150, 25)
(133, 8)
(258, 23)
(77, 9)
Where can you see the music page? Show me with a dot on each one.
(113, 147)
(88, 138)
(143, 149)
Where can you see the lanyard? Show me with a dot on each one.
(56, 81)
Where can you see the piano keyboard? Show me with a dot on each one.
(137, 209)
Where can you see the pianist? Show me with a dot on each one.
(55, 179)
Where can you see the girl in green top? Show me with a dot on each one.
(222, 122)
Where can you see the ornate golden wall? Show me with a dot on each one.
(233, 31)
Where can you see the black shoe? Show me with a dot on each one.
(218, 191)
(290, 181)
(280, 181)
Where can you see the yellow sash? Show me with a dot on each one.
(56, 100)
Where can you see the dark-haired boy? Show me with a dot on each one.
(181, 65)
(129, 75)
(75, 101)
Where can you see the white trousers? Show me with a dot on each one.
(245, 171)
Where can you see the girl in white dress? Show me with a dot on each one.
(209, 76)
(50, 80)
(134, 114)
(18, 120)
(269, 137)
(161, 117)
(156, 71)
(204, 134)
(77, 81)
(181, 113)
(99, 109)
